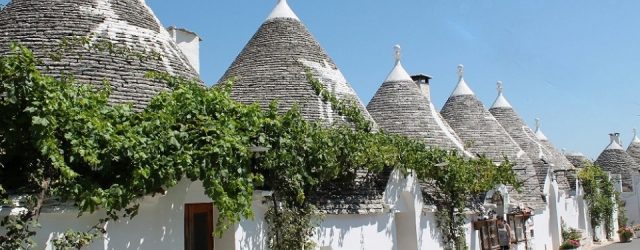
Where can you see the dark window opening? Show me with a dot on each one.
(198, 226)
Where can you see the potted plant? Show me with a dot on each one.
(570, 244)
(626, 234)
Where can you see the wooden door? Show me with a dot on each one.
(198, 226)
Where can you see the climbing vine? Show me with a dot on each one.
(63, 140)
(600, 195)
(453, 181)
(460, 184)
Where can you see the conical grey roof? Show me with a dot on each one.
(400, 107)
(483, 135)
(578, 160)
(272, 67)
(560, 161)
(540, 154)
(634, 147)
(128, 25)
(615, 160)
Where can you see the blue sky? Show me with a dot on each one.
(573, 63)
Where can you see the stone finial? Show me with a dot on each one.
(282, 10)
(460, 70)
(538, 122)
(500, 87)
(635, 133)
(398, 52)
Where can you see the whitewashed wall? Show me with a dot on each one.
(430, 236)
(542, 238)
(357, 232)
(396, 228)
(632, 201)
(159, 224)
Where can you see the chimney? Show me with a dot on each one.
(615, 137)
(423, 83)
(189, 44)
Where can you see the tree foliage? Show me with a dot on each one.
(600, 195)
(61, 139)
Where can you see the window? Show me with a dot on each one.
(517, 223)
(488, 233)
(198, 226)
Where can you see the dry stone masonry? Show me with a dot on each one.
(615, 160)
(400, 107)
(482, 134)
(540, 154)
(43, 25)
(272, 67)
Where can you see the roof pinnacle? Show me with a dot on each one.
(539, 133)
(501, 101)
(635, 139)
(462, 88)
(460, 70)
(282, 10)
(398, 73)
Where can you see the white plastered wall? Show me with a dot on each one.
(159, 224)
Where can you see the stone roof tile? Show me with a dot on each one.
(400, 107)
(578, 160)
(127, 24)
(272, 67)
(543, 155)
(617, 161)
(483, 135)
(634, 147)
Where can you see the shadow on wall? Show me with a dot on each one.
(252, 231)
(431, 237)
(341, 231)
(159, 224)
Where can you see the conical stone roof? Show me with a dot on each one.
(400, 107)
(482, 134)
(578, 160)
(634, 147)
(615, 160)
(272, 67)
(540, 154)
(521, 134)
(561, 162)
(128, 25)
